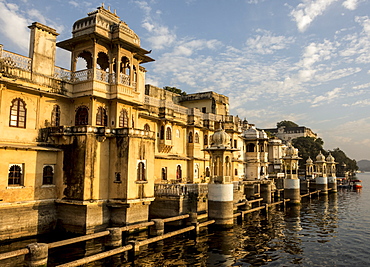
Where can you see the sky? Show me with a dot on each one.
(307, 61)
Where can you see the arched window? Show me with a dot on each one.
(190, 138)
(123, 118)
(178, 172)
(15, 175)
(196, 138)
(217, 167)
(161, 133)
(236, 172)
(164, 173)
(168, 133)
(18, 113)
(117, 177)
(227, 163)
(135, 76)
(205, 141)
(101, 117)
(55, 116)
(250, 147)
(208, 173)
(196, 171)
(141, 172)
(146, 127)
(47, 174)
(84, 61)
(82, 116)
(102, 61)
(125, 66)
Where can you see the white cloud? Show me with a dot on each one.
(160, 36)
(73, 3)
(359, 103)
(361, 86)
(326, 98)
(36, 15)
(267, 43)
(336, 74)
(351, 4)
(305, 13)
(254, 1)
(14, 25)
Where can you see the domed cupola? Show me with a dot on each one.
(309, 161)
(320, 157)
(263, 135)
(220, 138)
(251, 133)
(330, 159)
(291, 151)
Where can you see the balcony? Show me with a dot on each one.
(16, 66)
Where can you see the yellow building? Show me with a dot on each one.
(82, 149)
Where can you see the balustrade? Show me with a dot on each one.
(82, 75)
(124, 79)
(13, 60)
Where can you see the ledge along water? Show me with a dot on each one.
(329, 230)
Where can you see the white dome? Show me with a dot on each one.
(330, 158)
(263, 134)
(220, 138)
(320, 157)
(251, 133)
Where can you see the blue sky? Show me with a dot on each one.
(299, 60)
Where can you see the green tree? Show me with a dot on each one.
(308, 147)
(341, 157)
(287, 124)
(174, 90)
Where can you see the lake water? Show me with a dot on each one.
(331, 230)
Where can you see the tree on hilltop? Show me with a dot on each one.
(341, 157)
(308, 147)
(287, 124)
(174, 90)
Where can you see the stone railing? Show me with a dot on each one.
(171, 190)
(102, 76)
(82, 75)
(212, 117)
(151, 101)
(62, 74)
(100, 130)
(15, 61)
(124, 79)
(177, 190)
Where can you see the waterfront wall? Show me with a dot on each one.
(27, 219)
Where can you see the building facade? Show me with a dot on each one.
(93, 146)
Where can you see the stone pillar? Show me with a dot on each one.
(291, 191)
(249, 191)
(157, 228)
(266, 192)
(332, 184)
(193, 221)
(220, 204)
(305, 186)
(114, 239)
(257, 189)
(322, 184)
(38, 255)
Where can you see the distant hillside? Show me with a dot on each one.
(364, 165)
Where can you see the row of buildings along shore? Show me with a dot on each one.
(85, 149)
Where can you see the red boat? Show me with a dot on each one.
(356, 184)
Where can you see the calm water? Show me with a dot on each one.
(326, 231)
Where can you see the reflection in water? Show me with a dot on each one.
(327, 231)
